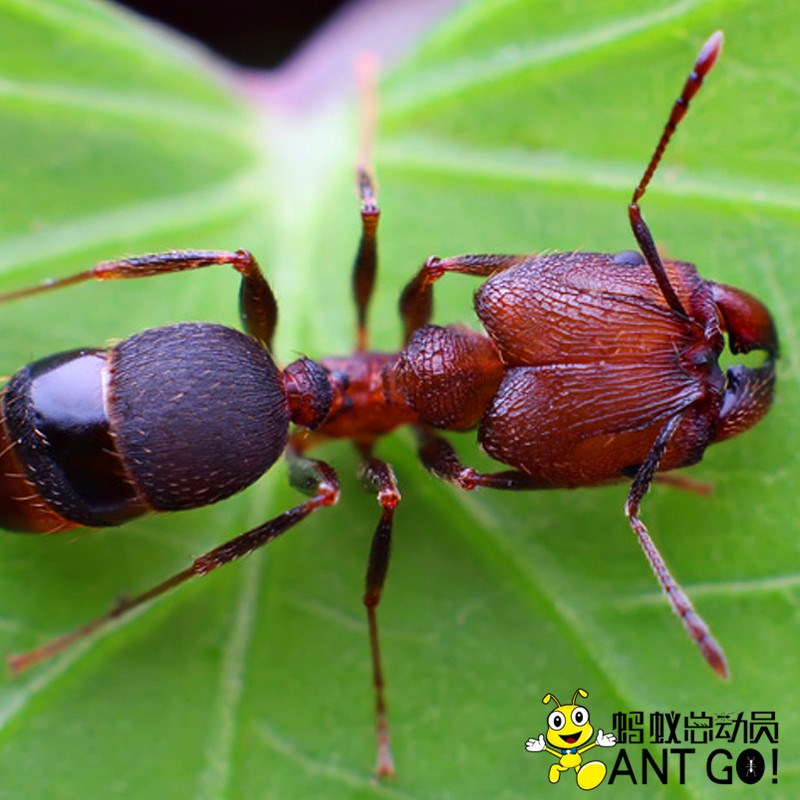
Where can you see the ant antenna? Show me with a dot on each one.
(366, 263)
(705, 61)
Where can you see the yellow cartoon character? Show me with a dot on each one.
(568, 736)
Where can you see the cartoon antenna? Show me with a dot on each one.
(548, 697)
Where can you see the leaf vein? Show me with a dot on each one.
(437, 82)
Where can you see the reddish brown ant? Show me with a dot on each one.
(593, 368)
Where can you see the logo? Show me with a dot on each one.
(659, 746)
(570, 735)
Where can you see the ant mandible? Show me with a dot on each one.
(593, 368)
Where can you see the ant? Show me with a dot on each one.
(591, 368)
(569, 725)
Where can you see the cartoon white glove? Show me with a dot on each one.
(605, 739)
(535, 745)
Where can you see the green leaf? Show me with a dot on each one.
(517, 126)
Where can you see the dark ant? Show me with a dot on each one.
(593, 368)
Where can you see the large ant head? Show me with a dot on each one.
(748, 390)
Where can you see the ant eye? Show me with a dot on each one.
(556, 720)
(580, 716)
(629, 258)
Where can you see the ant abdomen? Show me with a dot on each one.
(154, 423)
(55, 423)
(200, 411)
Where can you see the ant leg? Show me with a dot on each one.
(379, 476)
(681, 605)
(705, 61)
(685, 483)
(325, 493)
(257, 305)
(366, 261)
(439, 458)
(416, 299)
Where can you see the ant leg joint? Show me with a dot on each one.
(433, 268)
(467, 479)
(327, 494)
(389, 498)
(244, 261)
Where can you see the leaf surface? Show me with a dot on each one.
(516, 127)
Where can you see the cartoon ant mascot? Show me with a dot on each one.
(568, 731)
